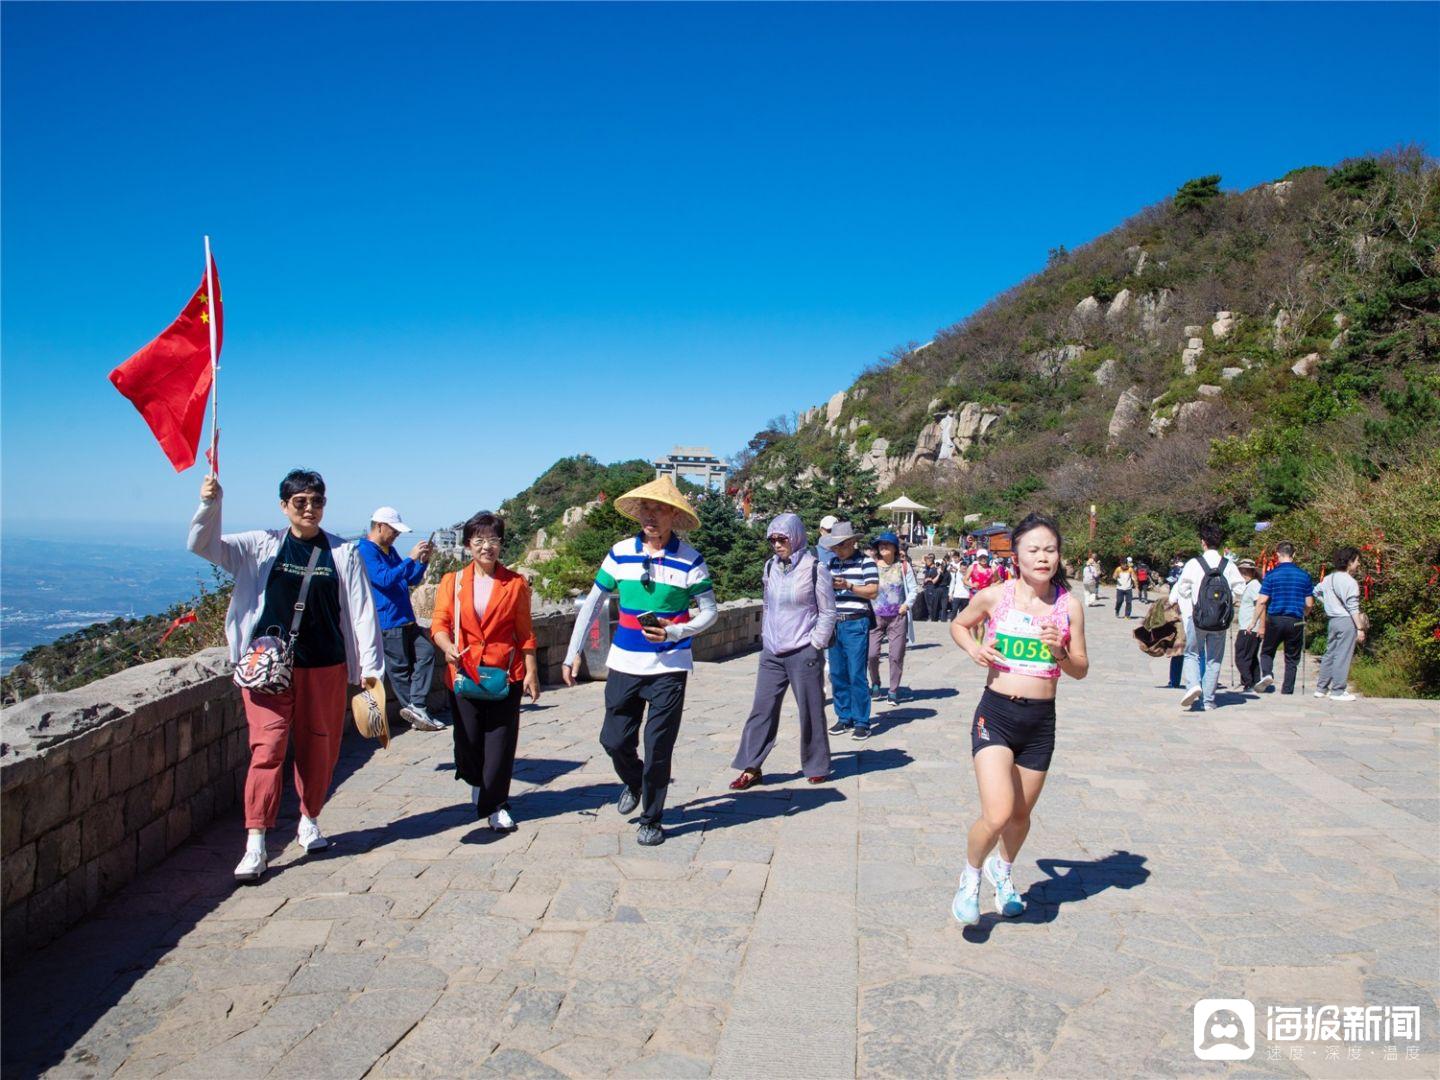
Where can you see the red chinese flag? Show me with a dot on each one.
(169, 379)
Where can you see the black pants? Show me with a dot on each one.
(936, 602)
(486, 735)
(625, 699)
(957, 605)
(1289, 630)
(1247, 657)
(409, 663)
(1123, 596)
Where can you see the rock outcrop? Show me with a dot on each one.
(1306, 365)
(1128, 410)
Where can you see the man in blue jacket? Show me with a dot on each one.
(409, 654)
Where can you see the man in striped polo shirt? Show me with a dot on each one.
(857, 582)
(657, 576)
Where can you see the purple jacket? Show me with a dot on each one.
(799, 595)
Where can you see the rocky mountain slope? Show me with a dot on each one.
(1201, 360)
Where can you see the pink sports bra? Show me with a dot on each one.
(1016, 635)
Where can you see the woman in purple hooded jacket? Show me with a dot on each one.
(798, 621)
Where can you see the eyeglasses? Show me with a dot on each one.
(779, 539)
(645, 572)
(486, 541)
(305, 502)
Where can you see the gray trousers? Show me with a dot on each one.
(1339, 652)
(803, 671)
(409, 663)
(895, 628)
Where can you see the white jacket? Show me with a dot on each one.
(249, 557)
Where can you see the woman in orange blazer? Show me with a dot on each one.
(492, 630)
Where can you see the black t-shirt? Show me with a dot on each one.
(321, 642)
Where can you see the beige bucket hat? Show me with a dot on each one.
(662, 490)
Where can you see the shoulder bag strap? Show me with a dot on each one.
(304, 591)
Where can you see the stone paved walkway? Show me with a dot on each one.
(1281, 850)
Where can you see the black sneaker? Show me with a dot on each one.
(650, 836)
(839, 727)
(629, 799)
(860, 732)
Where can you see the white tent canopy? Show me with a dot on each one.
(903, 504)
(906, 509)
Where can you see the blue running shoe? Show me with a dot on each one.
(1007, 900)
(966, 905)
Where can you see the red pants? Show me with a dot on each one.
(312, 712)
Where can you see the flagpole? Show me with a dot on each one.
(214, 365)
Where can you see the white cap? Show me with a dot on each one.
(829, 521)
(388, 515)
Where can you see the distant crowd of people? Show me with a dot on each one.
(311, 614)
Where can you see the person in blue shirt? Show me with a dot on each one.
(409, 654)
(1286, 594)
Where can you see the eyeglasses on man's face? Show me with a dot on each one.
(306, 502)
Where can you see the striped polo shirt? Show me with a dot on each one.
(665, 584)
(1287, 586)
(859, 569)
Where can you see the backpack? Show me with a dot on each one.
(1214, 603)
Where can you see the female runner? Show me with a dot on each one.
(1036, 630)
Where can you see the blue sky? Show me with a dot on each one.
(459, 242)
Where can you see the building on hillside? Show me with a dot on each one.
(695, 463)
(447, 541)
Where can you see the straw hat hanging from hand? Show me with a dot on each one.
(662, 490)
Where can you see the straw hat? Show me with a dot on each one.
(661, 490)
(368, 708)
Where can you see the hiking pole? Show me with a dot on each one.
(1302, 655)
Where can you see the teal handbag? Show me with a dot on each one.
(493, 683)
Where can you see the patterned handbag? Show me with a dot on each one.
(268, 666)
(490, 683)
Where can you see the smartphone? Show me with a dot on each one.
(648, 618)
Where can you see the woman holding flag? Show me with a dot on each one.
(301, 613)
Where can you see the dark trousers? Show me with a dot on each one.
(957, 605)
(409, 662)
(1123, 596)
(801, 670)
(486, 735)
(936, 602)
(625, 699)
(1247, 657)
(1290, 631)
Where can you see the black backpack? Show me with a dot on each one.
(1214, 602)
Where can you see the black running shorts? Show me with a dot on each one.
(1025, 725)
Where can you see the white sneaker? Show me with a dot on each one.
(310, 837)
(419, 719)
(252, 866)
(1343, 695)
(1266, 681)
(1322, 693)
(1191, 696)
(501, 821)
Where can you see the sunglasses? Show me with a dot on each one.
(305, 502)
(645, 572)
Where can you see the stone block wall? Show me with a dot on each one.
(101, 783)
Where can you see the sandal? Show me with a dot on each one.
(746, 779)
(817, 779)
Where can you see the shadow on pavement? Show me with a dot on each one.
(52, 997)
(1067, 881)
